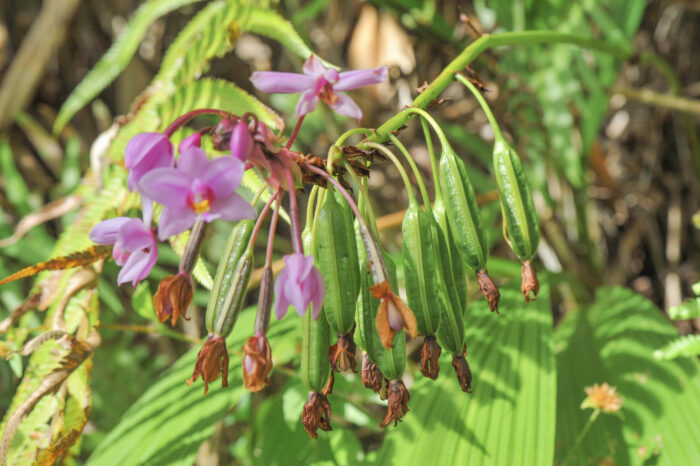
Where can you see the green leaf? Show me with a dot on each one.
(270, 24)
(117, 57)
(687, 310)
(170, 421)
(687, 345)
(509, 419)
(142, 301)
(613, 341)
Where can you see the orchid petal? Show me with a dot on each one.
(167, 186)
(175, 220)
(232, 207)
(280, 82)
(281, 303)
(346, 106)
(193, 140)
(299, 265)
(307, 102)
(134, 236)
(349, 80)
(223, 175)
(192, 161)
(145, 152)
(138, 266)
(313, 66)
(106, 231)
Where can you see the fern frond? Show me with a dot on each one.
(688, 345)
(687, 310)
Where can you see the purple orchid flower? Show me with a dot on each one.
(135, 246)
(319, 82)
(194, 139)
(241, 143)
(298, 285)
(144, 152)
(197, 188)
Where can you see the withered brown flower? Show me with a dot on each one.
(397, 404)
(489, 290)
(257, 363)
(462, 371)
(372, 377)
(529, 281)
(342, 354)
(429, 356)
(316, 414)
(173, 296)
(212, 360)
(392, 315)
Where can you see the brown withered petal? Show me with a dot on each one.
(372, 377)
(529, 281)
(257, 363)
(392, 308)
(212, 360)
(342, 354)
(174, 294)
(397, 404)
(328, 389)
(316, 414)
(429, 356)
(489, 290)
(462, 371)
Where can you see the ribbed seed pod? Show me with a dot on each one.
(336, 258)
(450, 255)
(420, 269)
(519, 217)
(315, 339)
(231, 281)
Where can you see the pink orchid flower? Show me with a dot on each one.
(299, 284)
(135, 246)
(197, 188)
(319, 82)
(143, 153)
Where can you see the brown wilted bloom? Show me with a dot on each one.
(462, 371)
(393, 314)
(316, 414)
(342, 354)
(603, 397)
(429, 356)
(173, 296)
(372, 377)
(328, 389)
(212, 360)
(398, 403)
(489, 290)
(529, 281)
(257, 363)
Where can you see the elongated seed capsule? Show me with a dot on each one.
(420, 269)
(520, 219)
(231, 281)
(336, 257)
(451, 260)
(315, 339)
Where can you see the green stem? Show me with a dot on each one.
(416, 172)
(433, 158)
(404, 176)
(351, 132)
(429, 118)
(581, 435)
(484, 106)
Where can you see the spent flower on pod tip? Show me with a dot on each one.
(212, 361)
(257, 363)
(299, 284)
(397, 405)
(145, 152)
(318, 82)
(316, 414)
(174, 294)
(135, 246)
(392, 315)
(196, 188)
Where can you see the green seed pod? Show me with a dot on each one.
(315, 340)
(420, 269)
(462, 210)
(336, 257)
(456, 281)
(231, 280)
(521, 226)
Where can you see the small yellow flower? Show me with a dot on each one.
(603, 397)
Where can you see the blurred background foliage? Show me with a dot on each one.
(611, 150)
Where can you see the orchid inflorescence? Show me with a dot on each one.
(338, 277)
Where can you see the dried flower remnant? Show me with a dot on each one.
(463, 372)
(174, 294)
(372, 377)
(392, 315)
(257, 363)
(212, 361)
(489, 290)
(429, 357)
(316, 414)
(318, 82)
(603, 397)
(530, 284)
(342, 354)
(299, 284)
(397, 404)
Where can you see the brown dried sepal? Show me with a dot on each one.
(316, 414)
(489, 290)
(257, 363)
(328, 389)
(398, 403)
(530, 284)
(429, 358)
(462, 371)
(372, 377)
(392, 315)
(174, 294)
(342, 354)
(212, 360)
